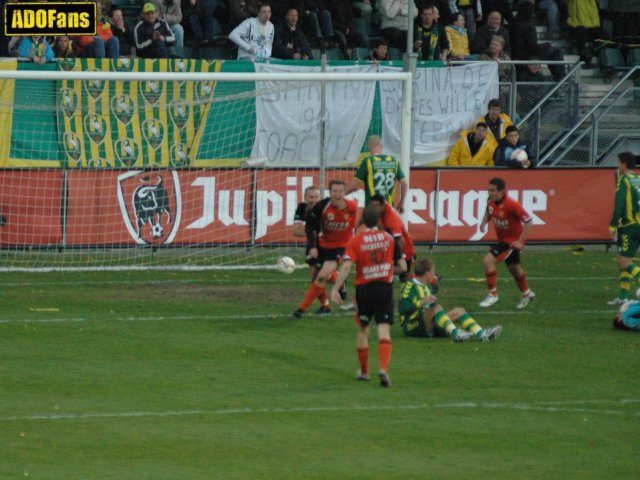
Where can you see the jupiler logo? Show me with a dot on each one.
(151, 205)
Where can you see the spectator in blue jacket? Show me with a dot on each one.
(36, 48)
(513, 153)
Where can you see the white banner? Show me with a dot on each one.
(288, 118)
(447, 101)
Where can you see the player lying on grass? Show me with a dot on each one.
(628, 317)
(422, 316)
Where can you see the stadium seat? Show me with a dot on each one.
(218, 52)
(184, 52)
(334, 54)
(360, 53)
(364, 27)
(395, 53)
(634, 57)
(611, 61)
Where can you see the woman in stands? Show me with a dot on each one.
(62, 47)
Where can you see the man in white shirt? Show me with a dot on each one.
(254, 36)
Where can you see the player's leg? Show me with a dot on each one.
(362, 349)
(489, 263)
(464, 321)
(444, 323)
(384, 353)
(317, 287)
(381, 296)
(520, 277)
(363, 316)
(314, 268)
(627, 245)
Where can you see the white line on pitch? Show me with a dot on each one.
(269, 316)
(535, 407)
(283, 279)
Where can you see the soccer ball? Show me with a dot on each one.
(286, 265)
(519, 154)
(156, 230)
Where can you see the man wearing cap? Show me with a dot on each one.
(152, 35)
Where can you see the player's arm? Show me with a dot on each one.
(343, 273)
(355, 186)
(299, 220)
(526, 228)
(299, 229)
(312, 228)
(403, 188)
(409, 299)
(618, 209)
(485, 220)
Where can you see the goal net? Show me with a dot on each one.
(173, 164)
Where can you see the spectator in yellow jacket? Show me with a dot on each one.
(497, 122)
(458, 39)
(473, 149)
(584, 26)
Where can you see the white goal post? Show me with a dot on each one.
(142, 170)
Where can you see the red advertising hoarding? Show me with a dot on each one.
(160, 207)
(31, 203)
(566, 205)
(231, 206)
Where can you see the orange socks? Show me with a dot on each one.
(522, 283)
(363, 360)
(314, 292)
(384, 353)
(492, 280)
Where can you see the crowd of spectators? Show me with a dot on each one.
(443, 29)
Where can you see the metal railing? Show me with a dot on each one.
(576, 144)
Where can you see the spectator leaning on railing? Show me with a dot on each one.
(36, 48)
(62, 47)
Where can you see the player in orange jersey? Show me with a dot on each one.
(376, 255)
(329, 229)
(512, 224)
(391, 222)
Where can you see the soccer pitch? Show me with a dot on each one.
(206, 375)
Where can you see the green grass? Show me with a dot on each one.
(205, 375)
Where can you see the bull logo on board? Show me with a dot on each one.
(151, 205)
